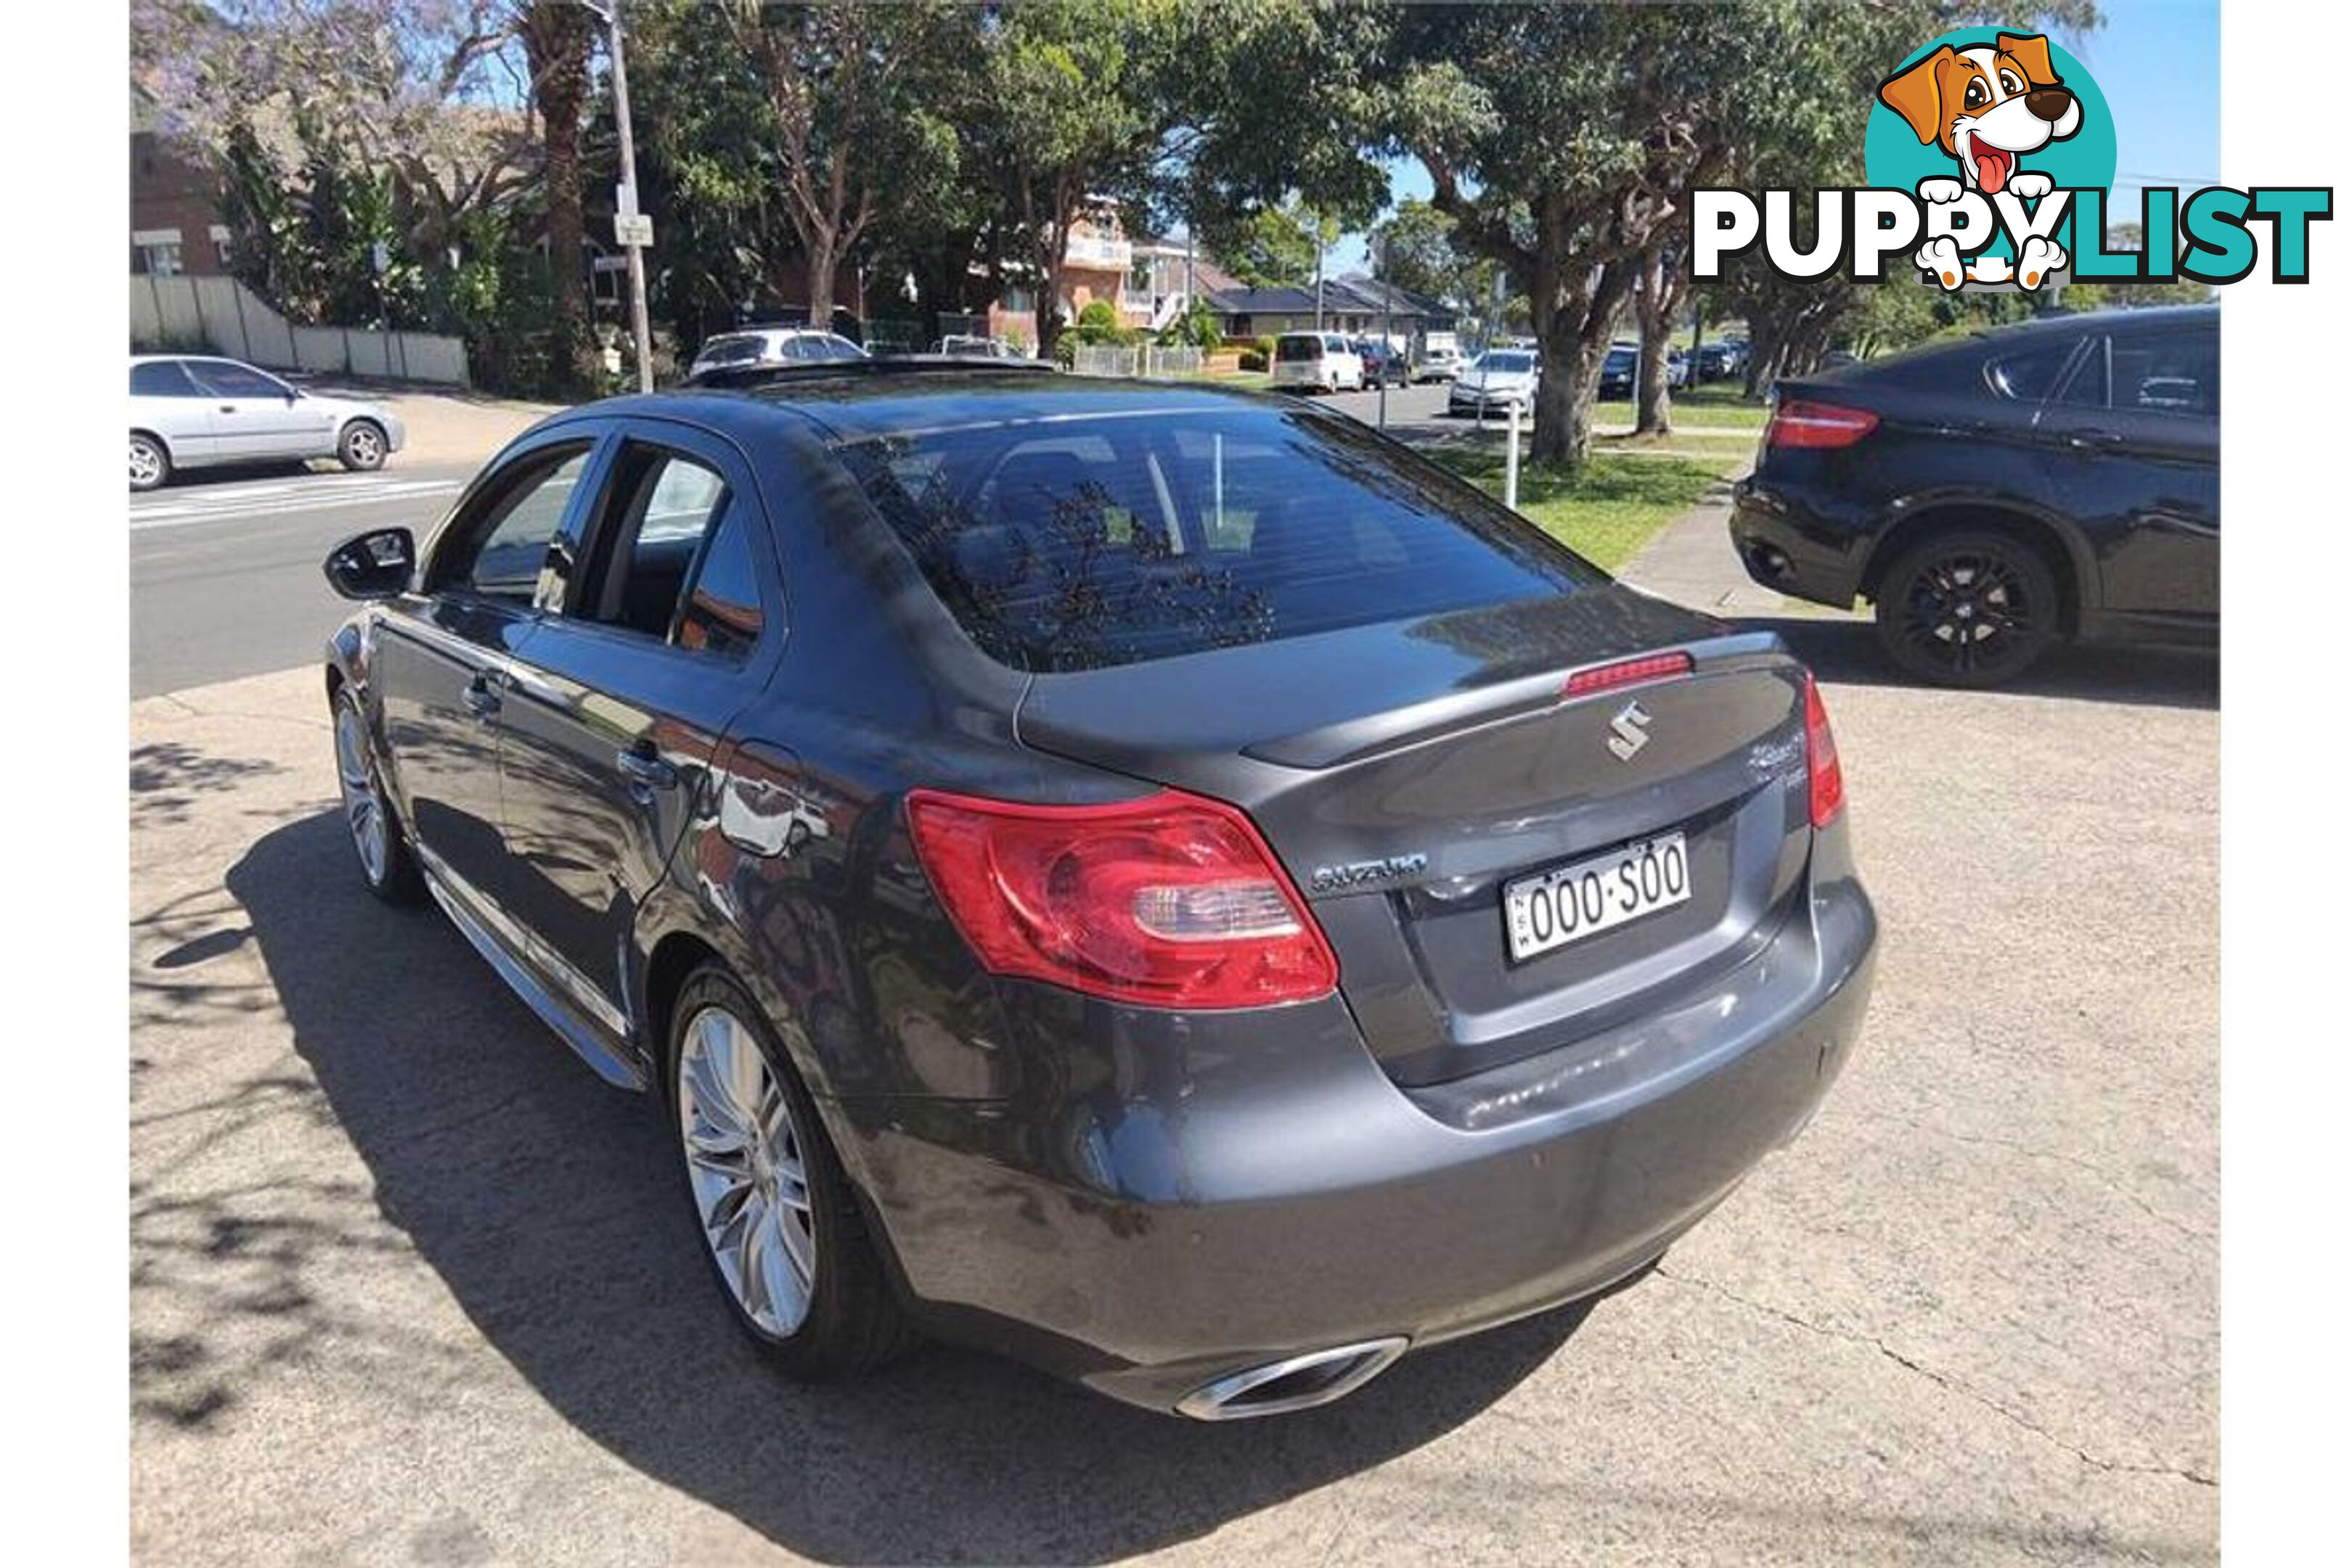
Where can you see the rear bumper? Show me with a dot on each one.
(1165, 1200)
(1785, 546)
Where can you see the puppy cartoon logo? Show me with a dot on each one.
(1988, 106)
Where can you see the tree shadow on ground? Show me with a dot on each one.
(546, 1203)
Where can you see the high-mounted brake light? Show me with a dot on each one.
(1821, 771)
(1171, 900)
(1626, 672)
(1797, 421)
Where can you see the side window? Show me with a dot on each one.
(225, 379)
(721, 613)
(162, 378)
(2168, 373)
(2032, 375)
(657, 511)
(507, 544)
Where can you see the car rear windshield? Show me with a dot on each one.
(1299, 348)
(1077, 543)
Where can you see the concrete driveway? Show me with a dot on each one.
(410, 1285)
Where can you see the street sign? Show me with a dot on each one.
(632, 229)
(624, 199)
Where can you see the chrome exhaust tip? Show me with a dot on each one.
(1298, 1382)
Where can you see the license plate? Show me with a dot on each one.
(1568, 903)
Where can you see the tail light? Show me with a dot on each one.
(1798, 422)
(1170, 901)
(1821, 770)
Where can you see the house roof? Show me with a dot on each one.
(1348, 296)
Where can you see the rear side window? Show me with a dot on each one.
(162, 378)
(1079, 544)
(731, 351)
(2032, 375)
(2165, 373)
(658, 509)
(721, 613)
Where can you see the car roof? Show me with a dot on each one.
(2069, 321)
(860, 399)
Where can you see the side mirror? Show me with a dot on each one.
(377, 565)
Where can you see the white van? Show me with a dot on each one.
(1317, 362)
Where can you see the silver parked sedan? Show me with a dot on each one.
(190, 411)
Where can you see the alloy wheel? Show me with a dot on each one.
(363, 806)
(1970, 611)
(365, 446)
(146, 464)
(746, 1163)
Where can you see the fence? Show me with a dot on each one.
(1138, 359)
(224, 315)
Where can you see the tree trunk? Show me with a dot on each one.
(1654, 405)
(556, 40)
(821, 257)
(1573, 324)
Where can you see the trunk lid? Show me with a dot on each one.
(1406, 773)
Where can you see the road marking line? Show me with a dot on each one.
(168, 516)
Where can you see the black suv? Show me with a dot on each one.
(1158, 879)
(2055, 480)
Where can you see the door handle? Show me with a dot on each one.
(2093, 440)
(646, 769)
(228, 409)
(481, 699)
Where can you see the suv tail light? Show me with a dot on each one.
(1170, 901)
(1797, 422)
(1821, 770)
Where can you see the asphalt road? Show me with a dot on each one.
(225, 576)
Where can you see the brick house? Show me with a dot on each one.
(175, 225)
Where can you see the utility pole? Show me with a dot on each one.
(1319, 274)
(1388, 343)
(610, 10)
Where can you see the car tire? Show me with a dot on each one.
(385, 864)
(750, 1143)
(363, 446)
(1969, 607)
(151, 463)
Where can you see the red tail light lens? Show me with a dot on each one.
(1627, 672)
(1798, 423)
(1169, 901)
(1821, 771)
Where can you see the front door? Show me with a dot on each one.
(257, 418)
(441, 665)
(661, 634)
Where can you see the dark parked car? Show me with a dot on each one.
(1162, 882)
(1618, 368)
(2054, 480)
(1384, 365)
(1716, 360)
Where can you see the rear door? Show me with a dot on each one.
(441, 663)
(2135, 445)
(665, 629)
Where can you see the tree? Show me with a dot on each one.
(843, 115)
(557, 38)
(1275, 247)
(1413, 249)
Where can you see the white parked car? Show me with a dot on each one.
(1317, 362)
(772, 345)
(1493, 381)
(193, 411)
(1438, 361)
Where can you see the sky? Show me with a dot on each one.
(2159, 62)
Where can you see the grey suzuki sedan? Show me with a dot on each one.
(1158, 881)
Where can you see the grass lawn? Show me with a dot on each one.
(1606, 510)
(1718, 406)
